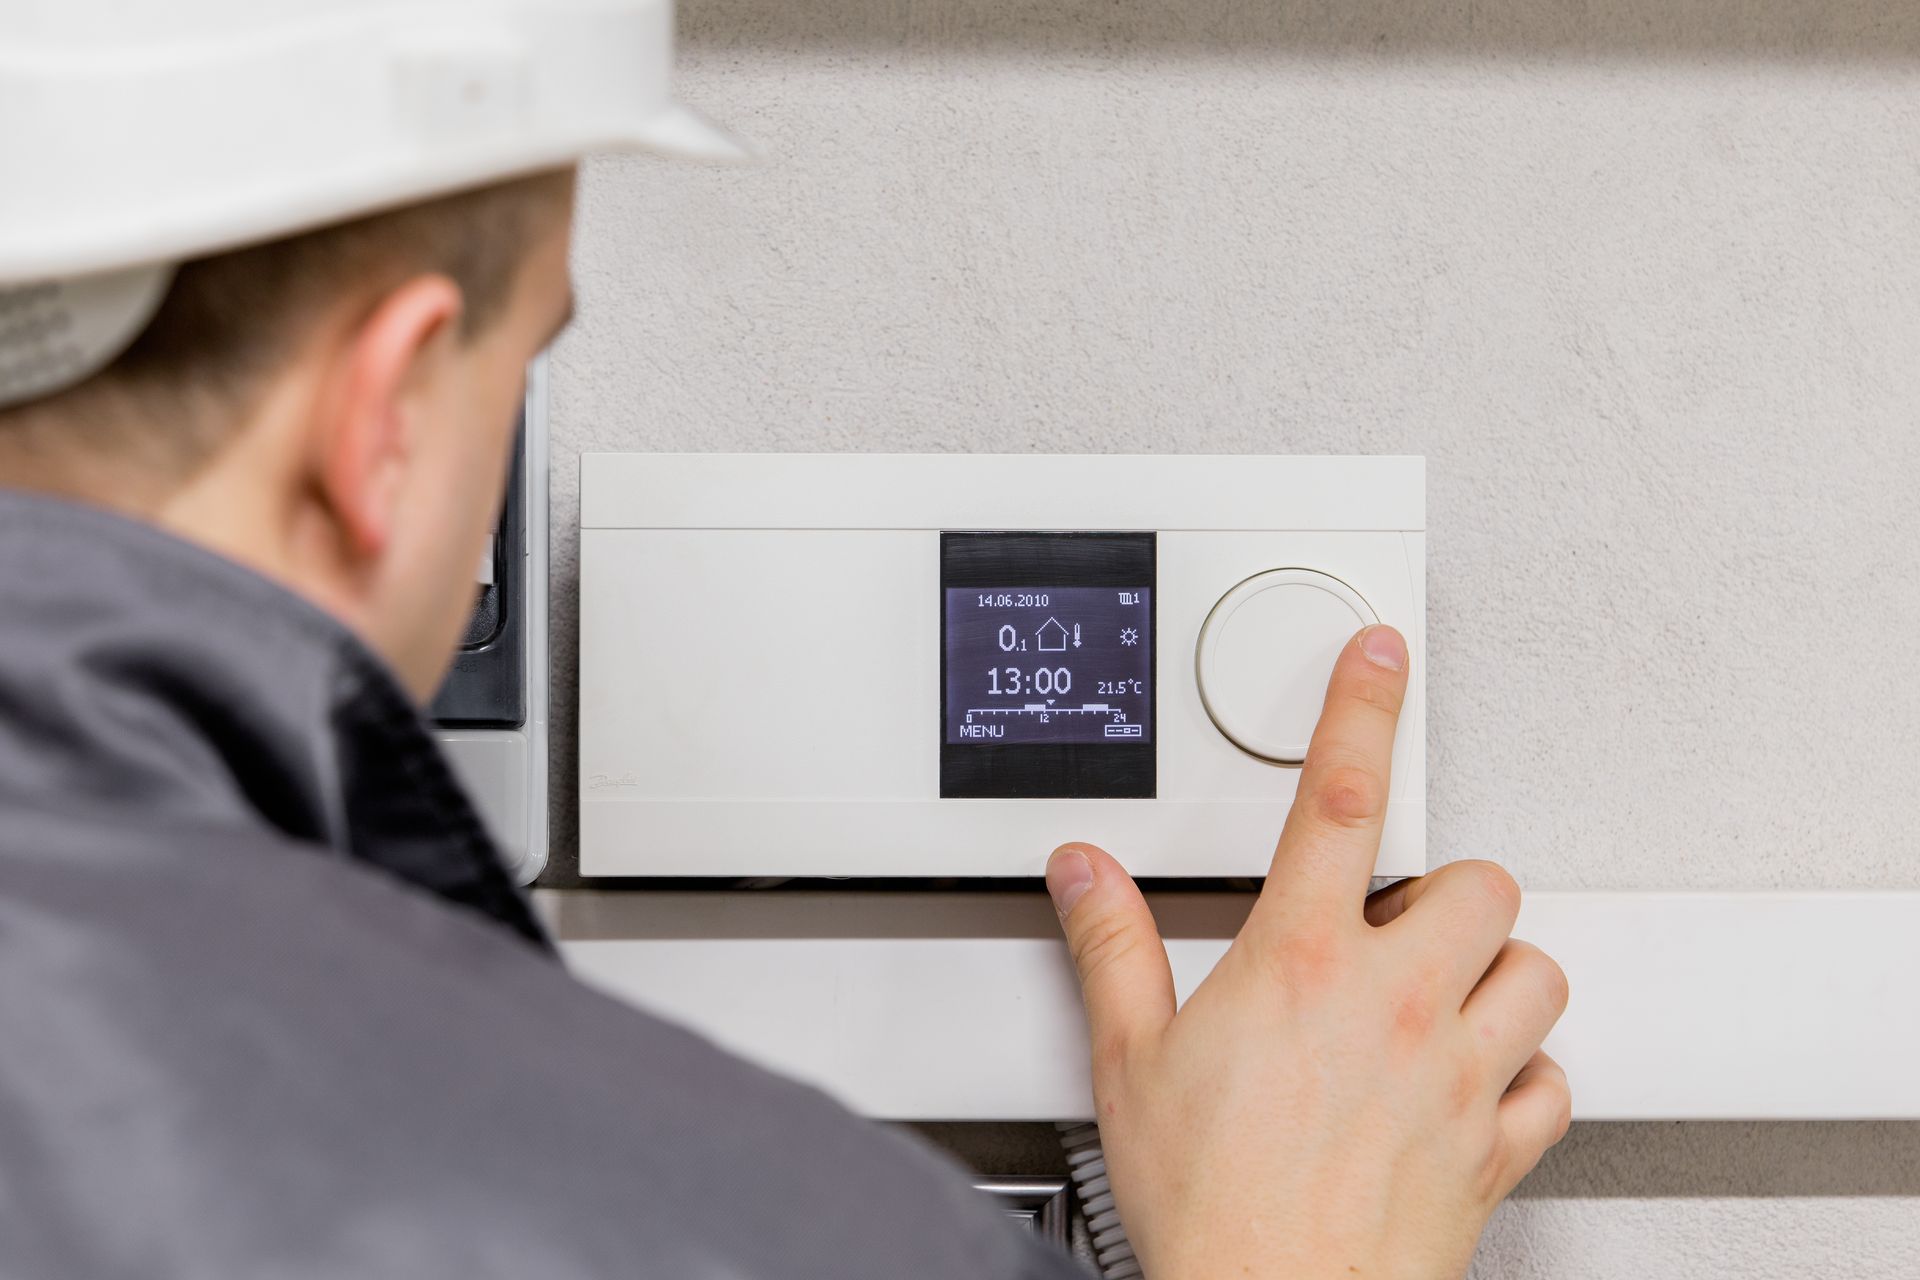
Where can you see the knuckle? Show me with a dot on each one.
(1562, 1097)
(1495, 883)
(1102, 944)
(1306, 959)
(1413, 1016)
(1543, 974)
(1563, 1116)
(1553, 983)
(1346, 794)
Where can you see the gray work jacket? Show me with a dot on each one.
(269, 1007)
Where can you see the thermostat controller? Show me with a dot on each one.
(947, 665)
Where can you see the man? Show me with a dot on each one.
(271, 1006)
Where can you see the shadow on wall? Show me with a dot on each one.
(1790, 30)
(1603, 1161)
(1730, 1160)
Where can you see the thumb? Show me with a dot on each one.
(1124, 976)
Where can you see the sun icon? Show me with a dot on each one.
(1129, 636)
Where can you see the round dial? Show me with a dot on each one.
(1264, 655)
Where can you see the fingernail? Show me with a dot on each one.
(1069, 875)
(1384, 647)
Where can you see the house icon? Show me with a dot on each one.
(1052, 636)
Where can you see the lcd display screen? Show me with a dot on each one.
(1057, 665)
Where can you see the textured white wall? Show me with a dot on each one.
(1642, 281)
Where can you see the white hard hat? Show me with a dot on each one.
(134, 135)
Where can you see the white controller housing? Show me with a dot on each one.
(762, 643)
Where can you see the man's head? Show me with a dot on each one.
(334, 409)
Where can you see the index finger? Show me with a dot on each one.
(1332, 836)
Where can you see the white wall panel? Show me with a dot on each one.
(1686, 1006)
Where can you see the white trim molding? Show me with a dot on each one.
(922, 1005)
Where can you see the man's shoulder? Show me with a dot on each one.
(273, 1049)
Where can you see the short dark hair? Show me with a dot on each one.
(228, 320)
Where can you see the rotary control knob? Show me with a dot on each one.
(1264, 654)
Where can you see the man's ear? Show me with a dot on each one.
(367, 422)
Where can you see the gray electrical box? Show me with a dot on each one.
(486, 687)
(492, 708)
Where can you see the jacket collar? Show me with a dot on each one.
(144, 677)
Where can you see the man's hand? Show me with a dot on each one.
(1359, 1081)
